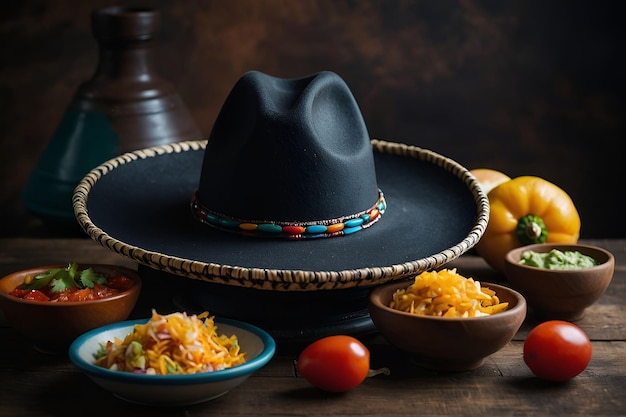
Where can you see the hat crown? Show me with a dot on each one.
(285, 150)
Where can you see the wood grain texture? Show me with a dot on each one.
(34, 384)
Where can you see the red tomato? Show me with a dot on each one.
(334, 363)
(119, 282)
(86, 294)
(19, 293)
(36, 295)
(557, 350)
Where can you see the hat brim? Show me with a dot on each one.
(138, 205)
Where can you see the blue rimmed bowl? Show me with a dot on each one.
(172, 390)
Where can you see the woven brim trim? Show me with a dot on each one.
(277, 279)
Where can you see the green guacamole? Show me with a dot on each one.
(555, 259)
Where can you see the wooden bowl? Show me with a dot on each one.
(52, 326)
(447, 344)
(560, 294)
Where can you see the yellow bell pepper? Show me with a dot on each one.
(527, 210)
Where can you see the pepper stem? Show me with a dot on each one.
(531, 229)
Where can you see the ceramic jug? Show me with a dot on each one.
(125, 106)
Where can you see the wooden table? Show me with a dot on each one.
(35, 384)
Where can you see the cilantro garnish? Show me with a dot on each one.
(89, 277)
(61, 279)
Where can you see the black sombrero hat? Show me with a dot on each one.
(274, 199)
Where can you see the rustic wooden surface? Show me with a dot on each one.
(35, 384)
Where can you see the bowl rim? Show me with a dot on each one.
(244, 369)
(508, 258)
(134, 275)
(518, 308)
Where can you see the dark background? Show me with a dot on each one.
(528, 87)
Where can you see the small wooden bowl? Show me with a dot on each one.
(447, 344)
(52, 326)
(560, 294)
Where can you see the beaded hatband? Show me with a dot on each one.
(299, 230)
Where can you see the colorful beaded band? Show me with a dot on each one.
(305, 230)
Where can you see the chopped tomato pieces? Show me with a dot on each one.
(119, 282)
(113, 286)
(35, 295)
(19, 293)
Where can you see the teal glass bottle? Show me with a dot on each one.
(125, 106)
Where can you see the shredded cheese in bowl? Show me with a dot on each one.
(176, 343)
(447, 294)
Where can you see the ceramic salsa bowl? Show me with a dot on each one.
(560, 294)
(447, 344)
(52, 326)
(172, 390)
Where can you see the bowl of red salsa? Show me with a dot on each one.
(52, 305)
